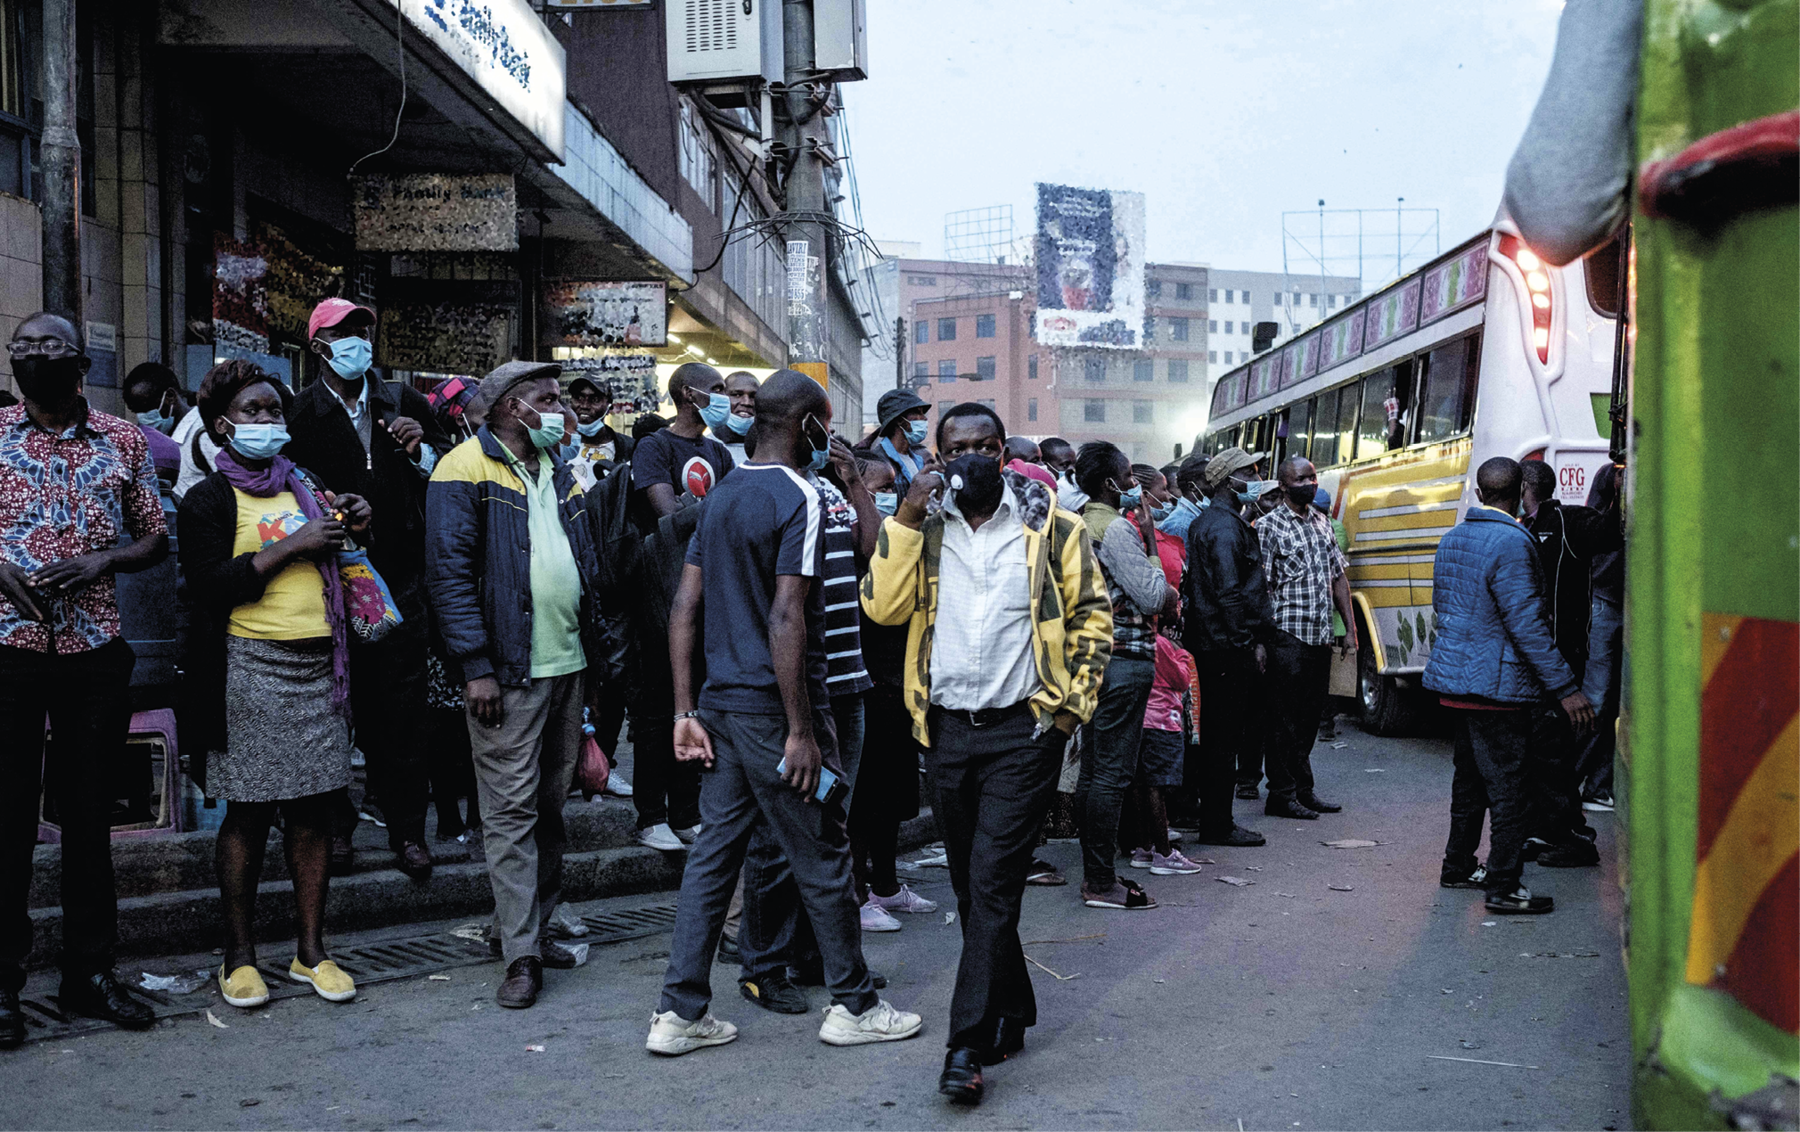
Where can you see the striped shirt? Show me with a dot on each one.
(845, 673)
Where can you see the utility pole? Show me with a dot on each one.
(900, 352)
(60, 157)
(1399, 222)
(802, 127)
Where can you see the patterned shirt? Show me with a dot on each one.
(1301, 560)
(64, 496)
(845, 673)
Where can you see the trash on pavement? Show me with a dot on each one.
(176, 984)
(1478, 1061)
(1059, 977)
(1235, 882)
(212, 1018)
(476, 932)
(565, 921)
(579, 951)
(1340, 888)
(949, 917)
(1350, 843)
(534, 1049)
(437, 978)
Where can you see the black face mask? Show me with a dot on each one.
(1302, 494)
(47, 381)
(981, 483)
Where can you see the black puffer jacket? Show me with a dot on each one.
(1227, 595)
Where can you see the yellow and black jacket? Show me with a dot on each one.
(1071, 624)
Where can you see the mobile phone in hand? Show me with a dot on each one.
(831, 788)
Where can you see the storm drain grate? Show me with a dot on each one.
(371, 963)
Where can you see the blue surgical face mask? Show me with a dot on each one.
(592, 428)
(1161, 512)
(886, 502)
(156, 419)
(350, 357)
(1130, 499)
(820, 456)
(570, 450)
(915, 432)
(716, 411)
(739, 425)
(547, 435)
(258, 441)
(1255, 491)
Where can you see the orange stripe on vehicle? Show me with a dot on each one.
(1752, 696)
(1763, 972)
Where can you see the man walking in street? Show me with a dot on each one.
(379, 440)
(1227, 628)
(762, 727)
(1494, 662)
(78, 506)
(1307, 578)
(1112, 740)
(1009, 628)
(511, 574)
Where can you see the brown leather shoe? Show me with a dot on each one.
(524, 979)
(415, 861)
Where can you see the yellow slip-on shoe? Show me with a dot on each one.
(243, 987)
(327, 979)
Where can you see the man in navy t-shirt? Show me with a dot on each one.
(755, 564)
(682, 460)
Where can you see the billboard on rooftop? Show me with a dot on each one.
(1090, 267)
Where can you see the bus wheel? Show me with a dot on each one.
(1387, 708)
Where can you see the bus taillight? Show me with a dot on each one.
(1537, 284)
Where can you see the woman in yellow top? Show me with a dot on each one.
(259, 550)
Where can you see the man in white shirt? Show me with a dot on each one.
(996, 680)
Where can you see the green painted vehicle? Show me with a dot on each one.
(1709, 779)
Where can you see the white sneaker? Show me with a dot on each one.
(879, 1023)
(617, 786)
(875, 919)
(906, 900)
(672, 1035)
(660, 836)
(687, 835)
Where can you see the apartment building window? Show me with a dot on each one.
(985, 402)
(1093, 411)
(946, 330)
(1229, 328)
(946, 370)
(1178, 370)
(1095, 368)
(944, 407)
(984, 326)
(921, 332)
(984, 369)
(1031, 368)
(1228, 297)
(1153, 288)
(921, 372)
(1212, 294)
(1212, 357)
(1143, 370)
(922, 280)
(1143, 412)
(1178, 329)
(1244, 297)
(1312, 299)
(1212, 326)
(1184, 290)
(1031, 409)
(1228, 357)
(698, 162)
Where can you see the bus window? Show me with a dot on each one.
(1448, 389)
(1386, 411)
(1299, 429)
(1325, 436)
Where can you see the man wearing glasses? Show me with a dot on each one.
(78, 504)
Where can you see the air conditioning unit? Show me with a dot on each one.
(841, 39)
(724, 41)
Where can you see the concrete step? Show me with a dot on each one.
(183, 915)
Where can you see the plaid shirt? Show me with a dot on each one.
(1301, 560)
(65, 496)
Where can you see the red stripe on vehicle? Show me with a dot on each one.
(1763, 972)
(1749, 700)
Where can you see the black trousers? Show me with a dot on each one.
(662, 789)
(992, 787)
(387, 700)
(1229, 696)
(83, 694)
(1490, 779)
(1297, 678)
(1553, 759)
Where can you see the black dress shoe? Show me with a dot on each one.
(1237, 837)
(1314, 802)
(12, 1020)
(102, 996)
(728, 950)
(1284, 808)
(961, 1079)
(415, 860)
(524, 979)
(1248, 792)
(1009, 1038)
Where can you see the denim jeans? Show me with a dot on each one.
(1109, 758)
(1600, 684)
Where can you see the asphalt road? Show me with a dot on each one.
(1283, 1004)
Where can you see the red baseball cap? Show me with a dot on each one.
(333, 311)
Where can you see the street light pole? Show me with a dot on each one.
(60, 157)
(807, 249)
(900, 352)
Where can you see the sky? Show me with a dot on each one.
(1223, 114)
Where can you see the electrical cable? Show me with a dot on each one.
(400, 50)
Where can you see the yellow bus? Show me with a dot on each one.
(1485, 351)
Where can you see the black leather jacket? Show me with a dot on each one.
(1227, 595)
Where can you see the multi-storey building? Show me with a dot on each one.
(1238, 300)
(979, 348)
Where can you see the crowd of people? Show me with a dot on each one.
(470, 586)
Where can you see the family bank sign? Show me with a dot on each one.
(506, 50)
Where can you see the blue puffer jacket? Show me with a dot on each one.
(1493, 628)
(478, 558)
